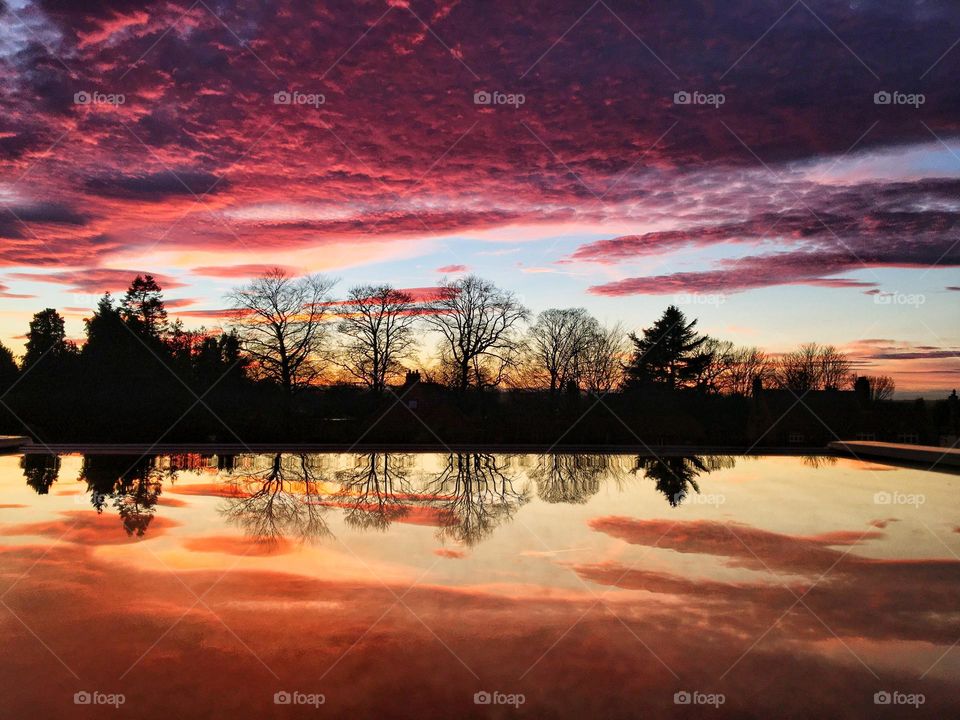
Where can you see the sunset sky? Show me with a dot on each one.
(787, 202)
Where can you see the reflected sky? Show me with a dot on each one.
(402, 584)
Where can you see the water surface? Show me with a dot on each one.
(419, 585)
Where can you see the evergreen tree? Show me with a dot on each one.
(142, 308)
(105, 332)
(47, 336)
(8, 368)
(670, 354)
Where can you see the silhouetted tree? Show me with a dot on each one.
(105, 333)
(602, 368)
(8, 369)
(557, 345)
(477, 321)
(143, 309)
(281, 322)
(47, 337)
(669, 354)
(743, 365)
(377, 322)
(812, 367)
(712, 373)
(882, 387)
(207, 359)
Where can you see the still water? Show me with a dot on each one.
(477, 585)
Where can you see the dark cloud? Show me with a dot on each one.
(156, 186)
(835, 230)
(400, 146)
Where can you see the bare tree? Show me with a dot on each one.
(477, 321)
(732, 369)
(282, 322)
(602, 368)
(812, 367)
(834, 368)
(713, 374)
(557, 344)
(378, 323)
(882, 387)
(746, 363)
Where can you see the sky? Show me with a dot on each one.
(785, 173)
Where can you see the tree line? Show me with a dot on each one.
(292, 333)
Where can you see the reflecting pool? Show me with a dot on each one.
(477, 585)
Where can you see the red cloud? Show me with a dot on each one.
(237, 271)
(231, 545)
(192, 161)
(87, 527)
(95, 280)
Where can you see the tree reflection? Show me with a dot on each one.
(281, 496)
(676, 476)
(375, 491)
(279, 502)
(819, 461)
(132, 483)
(473, 495)
(572, 478)
(41, 471)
